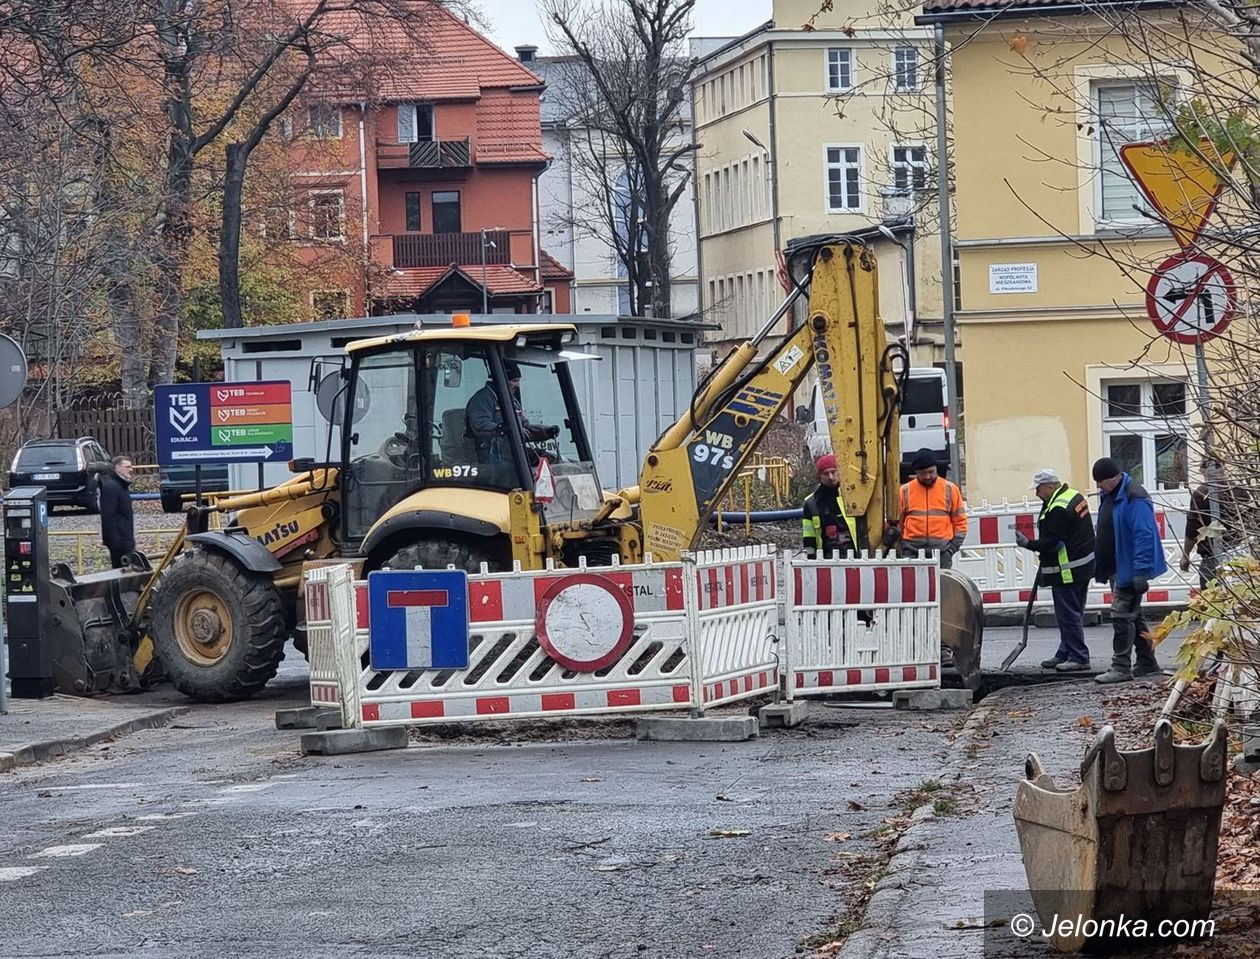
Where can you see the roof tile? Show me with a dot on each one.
(501, 280)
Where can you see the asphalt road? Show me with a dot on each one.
(214, 836)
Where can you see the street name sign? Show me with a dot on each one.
(1182, 185)
(201, 423)
(1190, 298)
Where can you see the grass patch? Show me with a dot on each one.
(945, 806)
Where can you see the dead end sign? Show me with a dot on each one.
(1191, 298)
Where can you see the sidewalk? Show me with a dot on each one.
(932, 901)
(37, 729)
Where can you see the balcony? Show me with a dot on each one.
(443, 249)
(424, 154)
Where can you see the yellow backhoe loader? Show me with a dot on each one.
(465, 445)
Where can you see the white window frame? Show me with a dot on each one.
(897, 67)
(894, 165)
(341, 215)
(1146, 424)
(861, 177)
(317, 131)
(827, 64)
(1100, 144)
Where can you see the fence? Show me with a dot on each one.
(870, 623)
(122, 432)
(694, 635)
(83, 552)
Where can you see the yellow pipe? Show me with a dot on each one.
(277, 494)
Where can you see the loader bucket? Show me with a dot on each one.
(89, 629)
(1135, 841)
(962, 627)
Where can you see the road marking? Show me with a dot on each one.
(247, 788)
(164, 816)
(9, 873)
(65, 852)
(96, 786)
(116, 831)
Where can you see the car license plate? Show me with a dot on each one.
(47, 476)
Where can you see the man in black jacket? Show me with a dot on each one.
(118, 525)
(828, 532)
(1065, 543)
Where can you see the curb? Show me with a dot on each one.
(36, 752)
(872, 937)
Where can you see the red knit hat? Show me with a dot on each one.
(825, 462)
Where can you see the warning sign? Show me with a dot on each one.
(1181, 184)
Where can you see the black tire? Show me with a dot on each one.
(438, 552)
(92, 502)
(206, 658)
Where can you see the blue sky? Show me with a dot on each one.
(513, 22)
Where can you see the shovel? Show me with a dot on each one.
(1014, 654)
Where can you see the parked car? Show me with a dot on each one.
(174, 482)
(70, 470)
(924, 419)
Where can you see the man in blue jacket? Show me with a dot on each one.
(1129, 555)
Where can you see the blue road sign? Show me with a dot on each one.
(200, 423)
(418, 620)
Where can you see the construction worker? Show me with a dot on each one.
(1065, 543)
(487, 425)
(828, 531)
(933, 514)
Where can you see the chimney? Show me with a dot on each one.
(527, 54)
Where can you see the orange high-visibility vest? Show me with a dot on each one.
(932, 516)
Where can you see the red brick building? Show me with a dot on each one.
(428, 188)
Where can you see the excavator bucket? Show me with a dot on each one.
(89, 627)
(962, 627)
(1135, 841)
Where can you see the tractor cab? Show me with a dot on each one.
(440, 412)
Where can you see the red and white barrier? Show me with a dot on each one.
(830, 649)
(734, 617)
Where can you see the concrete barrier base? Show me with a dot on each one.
(339, 742)
(783, 715)
(707, 729)
(308, 717)
(931, 699)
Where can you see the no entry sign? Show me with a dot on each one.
(1191, 298)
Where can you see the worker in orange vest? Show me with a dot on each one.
(933, 514)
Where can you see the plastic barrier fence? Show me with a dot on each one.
(862, 624)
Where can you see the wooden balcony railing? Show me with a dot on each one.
(443, 249)
(424, 154)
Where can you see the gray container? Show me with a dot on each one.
(642, 382)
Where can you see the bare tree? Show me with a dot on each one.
(628, 103)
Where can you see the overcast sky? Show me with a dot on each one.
(514, 22)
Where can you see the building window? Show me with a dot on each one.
(330, 304)
(839, 69)
(844, 178)
(1145, 425)
(413, 212)
(328, 216)
(909, 169)
(323, 122)
(906, 68)
(1125, 113)
(415, 122)
(446, 215)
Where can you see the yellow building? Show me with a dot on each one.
(1054, 251)
(816, 131)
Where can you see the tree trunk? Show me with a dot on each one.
(230, 236)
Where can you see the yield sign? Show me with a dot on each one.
(1180, 184)
(1191, 298)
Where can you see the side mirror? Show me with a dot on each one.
(802, 414)
(452, 371)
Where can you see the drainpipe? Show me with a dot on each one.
(537, 243)
(695, 209)
(363, 192)
(947, 248)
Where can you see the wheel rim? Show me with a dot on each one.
(203, 627)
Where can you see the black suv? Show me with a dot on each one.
(70, 470)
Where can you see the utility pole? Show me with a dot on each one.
(947, 249)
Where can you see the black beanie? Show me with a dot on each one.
(1105, 469)
(923, 460)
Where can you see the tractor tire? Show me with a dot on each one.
(219, 630)
(440, 552)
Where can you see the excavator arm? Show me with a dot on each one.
(696, 460)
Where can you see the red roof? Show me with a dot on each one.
(501, 280)
(553, 269)
(509, 128)
(433, 56)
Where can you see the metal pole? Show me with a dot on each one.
(947, 248)
(1212, 470)
(485, 291)
(196, 375)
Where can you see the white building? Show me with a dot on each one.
(569, 208)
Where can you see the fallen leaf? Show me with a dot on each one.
(1085, 722)
(855, 805)
(729, 833)
(838, 836)
(1018, 44)
(1023, 713)
(179, 871)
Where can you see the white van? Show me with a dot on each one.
(924, 419)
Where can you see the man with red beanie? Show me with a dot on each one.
(828, 532)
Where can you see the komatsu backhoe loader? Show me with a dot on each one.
(465, 445)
